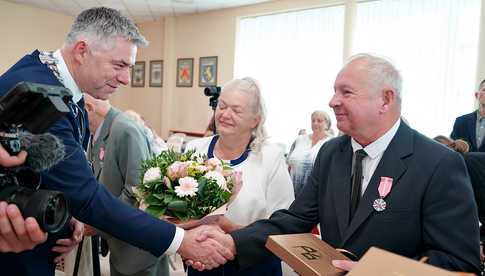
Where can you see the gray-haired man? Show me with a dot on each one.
(95, 59)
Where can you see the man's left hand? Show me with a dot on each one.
(64, 246)
(344, 264)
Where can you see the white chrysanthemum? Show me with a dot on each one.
(188, 186)
(218, 177)
(152, 174)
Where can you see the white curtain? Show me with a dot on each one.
(435, 45)
(295, 56)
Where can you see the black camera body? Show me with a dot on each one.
(32, 107)
(213, 92)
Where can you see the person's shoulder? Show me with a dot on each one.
(430, 149)
(123, 125)
(467, 116)
(272, 149)
(199, 143)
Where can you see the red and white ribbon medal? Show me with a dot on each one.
(101, 154)
(384, 189)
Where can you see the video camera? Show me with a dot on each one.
(34, 108)
(213, 92)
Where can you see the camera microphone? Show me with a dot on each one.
(43, 150)
(33, 107)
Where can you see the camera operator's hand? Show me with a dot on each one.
(6, 160)
(17, 234)
(64, 246)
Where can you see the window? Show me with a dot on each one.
(295, 56)
(435, 46)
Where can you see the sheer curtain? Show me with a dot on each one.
(295, 56)
(435, 45)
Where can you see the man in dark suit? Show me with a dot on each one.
(475, 163)
(95, 59)
(119, 147)
(383, 184)
(471, 127)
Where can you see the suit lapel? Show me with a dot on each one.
(390, 165)
(472, 129)
(342, 183)
(100, 144)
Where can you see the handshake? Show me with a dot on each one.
(207, 246)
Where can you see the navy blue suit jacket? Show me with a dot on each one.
(430, 208)
(89, 201)
(465, 128)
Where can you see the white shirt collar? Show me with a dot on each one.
(377, 147)
(66, 77)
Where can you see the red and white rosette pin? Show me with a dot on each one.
(384, 188)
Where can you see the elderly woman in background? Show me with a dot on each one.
(157, 145)
(241, 141)
(301, 157)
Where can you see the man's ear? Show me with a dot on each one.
(388, 98)
(80, 51)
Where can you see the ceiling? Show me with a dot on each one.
(139, 10)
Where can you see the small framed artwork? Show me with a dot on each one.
(185, 72)
(138, 74)
(156, 73)
(207, 71)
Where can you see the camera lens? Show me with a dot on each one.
(49, 208)
(212, 91)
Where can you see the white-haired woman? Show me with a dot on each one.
(241, 141)
(301, 157)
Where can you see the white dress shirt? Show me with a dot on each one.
(374, 151)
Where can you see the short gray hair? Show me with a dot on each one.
(382, 71)
(250, 85)
(103, 24)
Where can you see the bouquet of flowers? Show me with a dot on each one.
(185, 185)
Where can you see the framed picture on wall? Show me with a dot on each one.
(207, 71)
(156, 73)
(138, 74)
(185, 72)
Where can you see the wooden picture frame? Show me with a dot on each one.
(185, 72)
(207, 71)
(156, 73)
(138, 74)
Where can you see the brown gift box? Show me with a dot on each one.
(306, 254)
(380, 262)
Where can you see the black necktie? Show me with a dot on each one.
(356, 181)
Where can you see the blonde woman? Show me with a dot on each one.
(241, 141)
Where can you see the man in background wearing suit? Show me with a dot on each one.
(471, 127)
(95, 59)
(382, 184)
(118, 149)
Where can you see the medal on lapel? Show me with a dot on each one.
(101, 154)
(384, 188)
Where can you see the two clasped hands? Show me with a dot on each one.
(208, 246)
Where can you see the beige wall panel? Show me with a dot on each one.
(24, 29)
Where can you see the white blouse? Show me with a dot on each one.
(266, 184)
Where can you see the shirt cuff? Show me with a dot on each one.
(176, 242)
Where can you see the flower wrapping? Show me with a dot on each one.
(185, 186)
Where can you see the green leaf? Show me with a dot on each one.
(177, 205)
(155, 211)
(202, 185)
(153, 200)
(168, 199)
